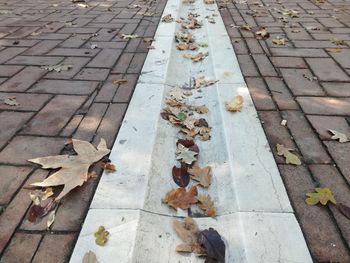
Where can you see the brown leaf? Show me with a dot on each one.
(101, 236)
(198, 57)
(235, 105)
(262, 34)
(119, 81)
(74, 169)
(207, 205)
(279, 41)
(37, 211)
(109, 167)
(167, 18)
(179, 198)
(213, 243)
(202, 175)
(180, 175)
(188, 232)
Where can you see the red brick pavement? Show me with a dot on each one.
(81, 103)
(276, 79)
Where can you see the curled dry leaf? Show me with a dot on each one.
(51, 218)
(179, 198)
(200, 109)
(125, 36)
(245, 27)
(198, 57)
(262, 34)
(202, 175)
(279, 41)
(109, 167)
(180, 175)
(37, 211)
(74, 169)
(185, 154)
(188, 232)
(38, 195)
(213, 244)
(191, 24)
(207, 205)
(90, 257)
(235, 105)
(11, 101)
(339, 136)
(292, 13)
(101, 236)
(290, 157)
(333, 50)
(167, 18)
(186, 46)
(338, 42)
(202, 82)
(183, 36)
(344, 209)
(322, 195)
(119, 81)
(209, 2)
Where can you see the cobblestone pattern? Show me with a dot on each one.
(81, 103)
(278, 78)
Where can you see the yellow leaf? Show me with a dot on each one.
(235, 105)
(290, 157)
(101, 236)
(333, 50)
(322, 195)
(74, 168)
(119, 81)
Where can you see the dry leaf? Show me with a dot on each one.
(101, 236)
(333, 50)
(38, 195)
(167, 18)
(202, 82)
(37, 211)
(339, 136)
(292, 13)
(182, 36)
(180, 175)
(109, 167)
(119, 81)
(196, 58)
(279, 41)
(262, 34)
(322, 195)
(11, 101)
(235, 105)
(338, 42)
(57, 68)
(202, 175)
(125, 36)
(246, 27)
(200, 109)
(290, 157)
(186, 46)
(74, 168)
(188, 232)
(90, 257)
(214, 245)
(207, 205)
(179, 198)
(209, 2)
(51, 218)
(185, 154)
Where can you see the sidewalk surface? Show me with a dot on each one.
(83, 103)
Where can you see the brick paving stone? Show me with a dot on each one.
(326, 245)
(247, 66)
(337, 89)
(327, 70)
(325, 105)
(259, 93)
(54, 116)
(341, 154)
(14, 122)
(9, 53)
(71, 126)
(298, 52)
(323, 123)
(125, 91)
(105, 59)
(75, 41)
(308, 143)
(27, 102)
(24, 148)
(123, 63)
(65, 87)
(288, 62)
(35, 60)
(41, 48)
(46, 252)
(15, 211)
(21, 249)
(23, 79)
(11, 178)
(73, 52)
(299, 84)
(264, 65)
(343, 58)
(9, 71)
(92, 74)
(281, 94)
(328, 176)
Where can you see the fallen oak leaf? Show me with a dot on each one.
(185, 154)
(11, 101)
(90, 257)
(126, 36)
(179, 198)
(167, 18)
(290, 157)
(101, 236)
(180, 175)
(38, 195)
(198, 57)
(202, 175)
(188, 232)
(322, 195)
(279, 41)
(109, 167)
(262, 34)
(74, 169)
(338, 136)
(207, 205)
(214, 245)
(235, 105)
